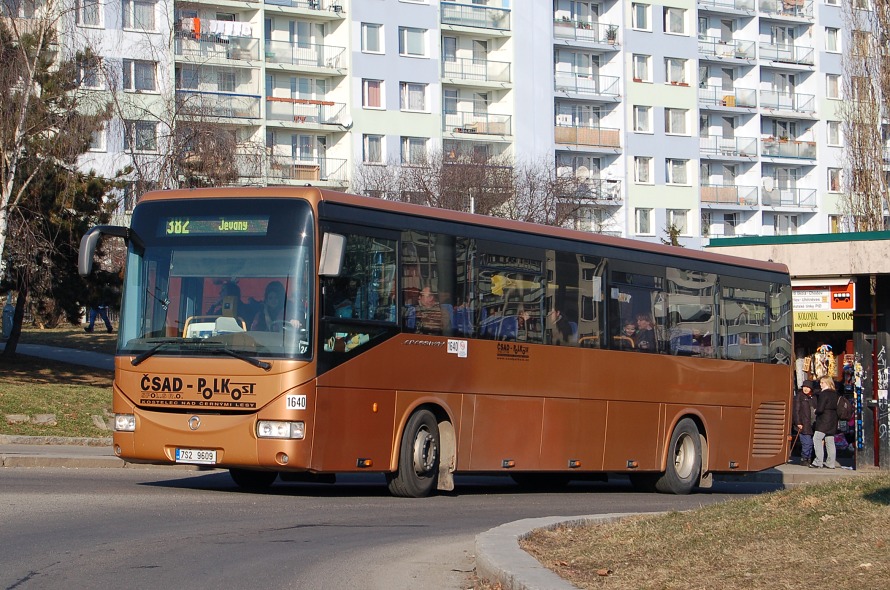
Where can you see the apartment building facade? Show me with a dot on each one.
(711, 117)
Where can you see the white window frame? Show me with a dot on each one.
(833, 133)
(642, 118)
(833, 2)
(408, 93)
(792, 222)
(413, 150)
(674, 66)
(405, 41)
(679, 218)
(129, 14)
(130, 69)
(674, 117)
(836, 182)
(366, 84)
(673, 167)
(641, 67)
(640, 10)
(833, 86)
(98, 142)
(832, 40)
(669, 22)
(132, 129)
(89, 76)
(643, 170)
(366, 27)
(96, 10)
(643, 222)
(368, 141)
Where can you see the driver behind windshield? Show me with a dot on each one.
(271, 316)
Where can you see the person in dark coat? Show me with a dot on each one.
(826, 425)
(804, 415)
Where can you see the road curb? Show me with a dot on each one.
(14, 439)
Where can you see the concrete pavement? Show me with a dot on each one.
(498, 556)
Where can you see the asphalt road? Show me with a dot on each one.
(163, 528)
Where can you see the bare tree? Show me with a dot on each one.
(865, 114)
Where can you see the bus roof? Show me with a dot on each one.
(316, 195)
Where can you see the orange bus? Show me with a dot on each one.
(300, 333)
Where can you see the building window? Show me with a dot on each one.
(89, 13)
(644, 222)
(834, 132)
(675, 171)
(832, 2)
(786, 225)
(675, 121)
(97, 140)
(372, 149)
(832, 85)
(641, 68)
(139, 76)
(834, 224)
(413, 151)
(834, 180)
(674, 20)
(141, 136)
(412, 96)
(89, 73)
(449, 101)
(640, 16)
(139, 15)
(412, 42)
(372, 38)
(643, 169)
(832, 39)
(675, 70)
(676, 219)
(642, 119)
(372, 94)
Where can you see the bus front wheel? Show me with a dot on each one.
(253, 480)
(683, 461)
(418, 458)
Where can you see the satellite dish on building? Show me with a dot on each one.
(768, 183)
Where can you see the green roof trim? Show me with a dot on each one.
(864, 236)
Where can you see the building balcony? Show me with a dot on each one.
(479, 16)
(788, 101)
(302, 170)
(320, 9)
(477, 123)
(783, 148)
(787, 8)
(733, 147)
(199, 104)
(729, 195)
(788, 197)
(476, 70)
(598, 33)
(787, 54)
(208, 46)
(597, 191)
(304, 111)
(735, 49)
(587, 136)
(717, 96)
(309, 55)
(731, 6)
(587, 84)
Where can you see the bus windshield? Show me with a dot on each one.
(211, 277)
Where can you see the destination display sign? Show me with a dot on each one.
(215, 225)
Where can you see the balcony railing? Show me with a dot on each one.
(728, 4)
(593, 136)
(307, 169)
(334, 6)
(785, 53)
(728, 146)
(586, 84)
(475, 123)
(783, 148)
(587, 32)
(304, 54)
(215, 47)
(788, 197)
(795, 8)
(482, 70)
(600, 190)
(196, 103)
(736, 48)
(728, 194)
(788, 101)
(735, 97)
(476, 15)
(304, 110)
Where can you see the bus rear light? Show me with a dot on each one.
(280, 429)
(124, 422)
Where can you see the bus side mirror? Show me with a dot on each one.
(91, 239)
(333, 250)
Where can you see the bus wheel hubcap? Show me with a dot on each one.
(685, 456)
(424, 452)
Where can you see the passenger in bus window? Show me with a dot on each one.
(645, 336)
(429, 317)
(625, 340)
(271, 316)
(561, 332)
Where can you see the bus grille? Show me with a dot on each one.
(769, 429)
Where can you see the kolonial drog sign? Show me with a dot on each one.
(824, 309)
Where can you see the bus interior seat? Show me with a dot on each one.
(199, 326)
(410, 318)
(623, 341)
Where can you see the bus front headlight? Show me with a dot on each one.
(280, 429)
(124, 422)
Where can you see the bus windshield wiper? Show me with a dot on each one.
(201, 343)
(151, 351)
(247, 358)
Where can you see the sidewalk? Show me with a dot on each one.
(97, 360)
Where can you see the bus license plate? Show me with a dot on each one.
(200, 456)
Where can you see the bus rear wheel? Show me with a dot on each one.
(418, 469)
(253, 480)
(683, 461)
